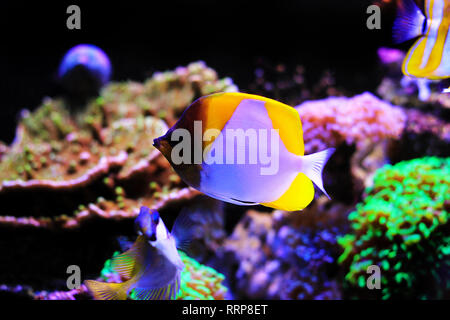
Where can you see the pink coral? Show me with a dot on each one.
(389, 55)
(362, 119)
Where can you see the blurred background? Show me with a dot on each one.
(143, 37)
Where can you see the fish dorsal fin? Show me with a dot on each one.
(409, 22)
(218, 109)
(125, 263)
(286, 120)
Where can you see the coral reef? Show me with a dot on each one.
(286, 255)
(199, 282)
(359, 128)
(70, 173)
(359, 120)
(72, 183)
(165, 94)
(402, 226)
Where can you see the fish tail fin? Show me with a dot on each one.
(313, 164)
(409, 22)
(107, 291)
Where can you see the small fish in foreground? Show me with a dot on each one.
(290, 185)
(152, 265)
(429, 57)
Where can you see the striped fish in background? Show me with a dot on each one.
(429, 57)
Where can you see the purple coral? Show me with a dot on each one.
(286, 256)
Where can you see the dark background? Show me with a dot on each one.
(147, 36)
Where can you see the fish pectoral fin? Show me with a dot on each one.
(125, 263)
(184, 229)
(409, 22)
(107, 291)
(168, 292)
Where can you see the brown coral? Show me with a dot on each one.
(78, 179)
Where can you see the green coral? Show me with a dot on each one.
(50, 121)
(402, 226)
(198, 282)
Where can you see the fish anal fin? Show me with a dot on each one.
(297, 197)
(107, 291)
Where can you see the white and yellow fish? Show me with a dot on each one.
(221, 126)
(429, 57)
